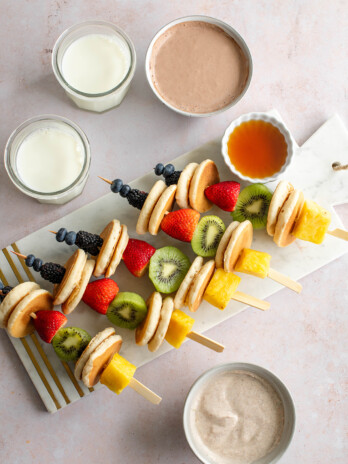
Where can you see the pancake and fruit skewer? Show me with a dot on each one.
(107, 248)
(290, 216)
(70, 280)
(26, 308)
(162, 322)
(234, 254)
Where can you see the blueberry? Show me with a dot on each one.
(159, 169)
(1, 285)
(29, 260)
(37, 264)
(125, 191)
(116, 185)
(70, 238)
(168, 170)
(60, 235)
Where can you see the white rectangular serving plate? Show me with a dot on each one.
(310, 170)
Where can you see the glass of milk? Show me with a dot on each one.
(94, 62)
(48, 158)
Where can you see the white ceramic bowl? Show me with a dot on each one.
(280, 388)
(263, 117)
(207, 19)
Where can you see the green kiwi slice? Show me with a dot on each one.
(252, 204)
(168, 267)
(69, 342)
(207, 236)
(127, 310)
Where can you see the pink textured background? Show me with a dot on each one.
(300, 58)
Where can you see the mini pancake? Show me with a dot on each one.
(99, 358)
(183, 186)
(148, 207)
(164, 204)
(165, 315)
(92, 345)
(20, 324)
(12, 299)
(145, 331)
(220, 252)
(76, 295)
(118, 253)
(73, 272)
(199, 285)
(181, 294)
(205, 175)
(280, 195)
(242, 237)
(287, 217)
(110, 236)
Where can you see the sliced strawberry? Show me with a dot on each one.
(224, 194)
(47, 323)
(137, 256)
(181, 224)
(99, 294)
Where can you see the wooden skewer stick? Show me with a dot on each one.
(33, 315)
(284, 280)
(208, 342)
(105, 180)
(339, 233)
(251, 301)
(144, 391)
(52, 232)
(18, 254)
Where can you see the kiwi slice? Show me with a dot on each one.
(252, 204)
(69, 342)
(168, 267)
(207, 236)
(127, 310)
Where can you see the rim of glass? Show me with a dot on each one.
(211, 20)
(19, 183)
(65, 34)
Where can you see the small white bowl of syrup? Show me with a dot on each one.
(257, 147)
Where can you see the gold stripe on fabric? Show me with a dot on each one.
(13, 266)
(72, 378)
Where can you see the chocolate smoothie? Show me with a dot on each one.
(197, 67)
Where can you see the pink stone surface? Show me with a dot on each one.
(300, 58)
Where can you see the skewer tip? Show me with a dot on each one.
(105, 180)
(18, 254)
(52, 232)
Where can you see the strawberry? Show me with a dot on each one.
(99, 294)
(180, 224)
(47, 323)
(224, 194)
(137, 255)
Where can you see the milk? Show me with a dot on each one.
(49, 160)
(96, 63)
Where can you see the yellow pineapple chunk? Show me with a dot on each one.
(313, 223)
(179, 326)
(221, 288)
(117, 374)
(253, 262)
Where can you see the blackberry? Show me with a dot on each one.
(90, 243)
(5, 291)
(136, 198)
(173, 178)
(52, 272)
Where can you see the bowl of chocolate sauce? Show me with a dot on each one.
(198, 66)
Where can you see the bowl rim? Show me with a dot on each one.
(259, 116)
(210, 20)
(289, 406)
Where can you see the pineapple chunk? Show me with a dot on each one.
(253, 262)
(221, 288)
(179, 326)
(313, 223)
(117, 374)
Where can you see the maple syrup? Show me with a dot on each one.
(257, 149)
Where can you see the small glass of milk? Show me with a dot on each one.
(48, 158)
(94, 62)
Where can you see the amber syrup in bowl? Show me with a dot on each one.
(257, 147)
